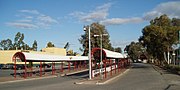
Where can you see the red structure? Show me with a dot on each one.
(111, 62)
(30, 57)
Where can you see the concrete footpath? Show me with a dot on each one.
(11, 79)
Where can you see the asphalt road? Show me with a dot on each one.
(139, 77)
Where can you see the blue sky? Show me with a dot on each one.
(61, 21)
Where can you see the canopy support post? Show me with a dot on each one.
(69, 66)
(14, 59)
(105, 68)
(25, 69)
(40, 68)
(111, 66)
(62, 66)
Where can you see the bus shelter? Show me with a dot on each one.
(111, 62)
(31, 57)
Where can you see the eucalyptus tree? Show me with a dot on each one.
(50, 44)
(96, 29)
(34, 45)
(6, 44)
(134, 50)
(159, 36)
(18, 41)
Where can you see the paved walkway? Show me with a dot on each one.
(37, 76)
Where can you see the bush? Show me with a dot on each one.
(172, 68)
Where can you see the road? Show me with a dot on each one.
(139, 77)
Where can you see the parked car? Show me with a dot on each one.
(19, 66)
(8, 66)
(44, 65)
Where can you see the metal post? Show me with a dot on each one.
(44, 67)
(40, 68)
(54, 68)
(61, 66)
(14, 59)
(69, 66)
(90, 53)
(105, 69)
(25, 69)
(118, 65)
(101, 58)
(179, 50)
(111, 66)
(115, 66)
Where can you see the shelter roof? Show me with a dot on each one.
(110, 54)
(46, 57)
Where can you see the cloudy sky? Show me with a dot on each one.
(62, 21)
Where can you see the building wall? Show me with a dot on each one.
(6, 55)
(55, 51)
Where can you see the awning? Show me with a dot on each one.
(106, 53)
(111, 54)
(47, 58)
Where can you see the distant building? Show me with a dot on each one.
(55, 51)
(6, 55)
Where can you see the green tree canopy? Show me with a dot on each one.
(118, 49)
(34, 46)
(160, 35)
(96, 29)
(6, 44)
(18, 41)
(134, 50)
(50, 44)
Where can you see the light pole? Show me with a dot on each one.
(101, 35)
(89, 51)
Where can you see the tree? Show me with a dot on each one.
(18, 41)
(34, 46)
(67, 46)
(175, 22)
(118, 49)
(96, 29)
(134, 50)
(159, 36)
(26, 47)
(50, 44)
(6, 44)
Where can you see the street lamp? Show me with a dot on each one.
(101, 35)
(89, 50)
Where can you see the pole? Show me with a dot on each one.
(101, 58)
(14, 59)
(40, 68)
(89, 53)
(179, 50)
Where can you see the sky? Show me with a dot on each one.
(62, 21)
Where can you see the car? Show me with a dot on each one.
(44, 65)
(8, 66)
